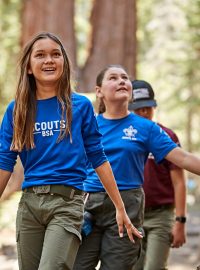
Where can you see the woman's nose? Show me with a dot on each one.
(122, 81)
(48, 58)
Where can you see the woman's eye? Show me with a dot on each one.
(57, 54)
(112, 78)
(39, 55)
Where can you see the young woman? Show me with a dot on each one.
(52, 130)
(127, 140)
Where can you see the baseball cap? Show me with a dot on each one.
(143, 95)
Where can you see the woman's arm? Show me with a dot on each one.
(4, 177)
(106, 176)
(184, 160)
(178, 230)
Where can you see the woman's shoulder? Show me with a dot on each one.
(79, 99)
(141, 121)
(10, 106)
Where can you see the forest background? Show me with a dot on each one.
(155, 40)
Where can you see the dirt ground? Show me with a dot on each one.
(185, 258)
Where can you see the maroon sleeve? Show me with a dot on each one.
(175, 138)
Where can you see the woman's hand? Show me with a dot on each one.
(123, 220)
(178, 235)
(106, 176)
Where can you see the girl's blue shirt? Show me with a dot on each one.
(127, 143)
(52, 162)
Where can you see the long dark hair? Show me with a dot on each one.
(25, 98)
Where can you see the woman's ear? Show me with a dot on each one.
(98, 92)
(29, 70)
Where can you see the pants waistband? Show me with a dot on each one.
(159, 207)
(65, 191)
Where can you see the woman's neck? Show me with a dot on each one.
(45, 92)
(116, 113)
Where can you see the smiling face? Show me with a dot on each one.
(115, 86)
(46, 62)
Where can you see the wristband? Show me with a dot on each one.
(181, 219)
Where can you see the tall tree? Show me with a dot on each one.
(53, 16)
(112, 39)
(9, 47)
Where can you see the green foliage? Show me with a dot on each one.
(169, 54)
(9, 48)
(82, 27)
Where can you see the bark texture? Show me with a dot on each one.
(112, 40)
(52, 16)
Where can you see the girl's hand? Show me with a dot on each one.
(123, 220)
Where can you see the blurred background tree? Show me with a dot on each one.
(9, 48)
(112, 40)
(112, 36)
(52, 16)
(155, 40)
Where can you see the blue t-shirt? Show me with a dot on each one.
(52, 162)
(127, 143)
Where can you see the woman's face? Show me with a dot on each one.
(116, 86)
(46, 62)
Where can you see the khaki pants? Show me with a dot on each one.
(104, 243)
(48, 231)
(156, 243)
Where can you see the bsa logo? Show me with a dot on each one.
(47, 129)
(130, 133)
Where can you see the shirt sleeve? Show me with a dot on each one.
(160, 144)
(175, 138)
(92, 137)
(7, 157)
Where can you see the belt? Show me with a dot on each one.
(65, 191)
(159, 207)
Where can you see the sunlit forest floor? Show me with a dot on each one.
(185, 258)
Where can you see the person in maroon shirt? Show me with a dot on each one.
(165, 194)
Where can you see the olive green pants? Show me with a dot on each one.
(103, 243)
(48, 231)
(156, 243)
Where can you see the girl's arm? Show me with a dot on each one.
(4, 177)
(184, 160)
(178, 231)
(106, 176)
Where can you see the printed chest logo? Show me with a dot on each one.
(47, 129)
(130, 133)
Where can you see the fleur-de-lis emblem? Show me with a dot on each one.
(130, 132)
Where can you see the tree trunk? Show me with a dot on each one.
(52, 16)
(112, 40)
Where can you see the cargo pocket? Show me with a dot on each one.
(72, 214)
(71, 247)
